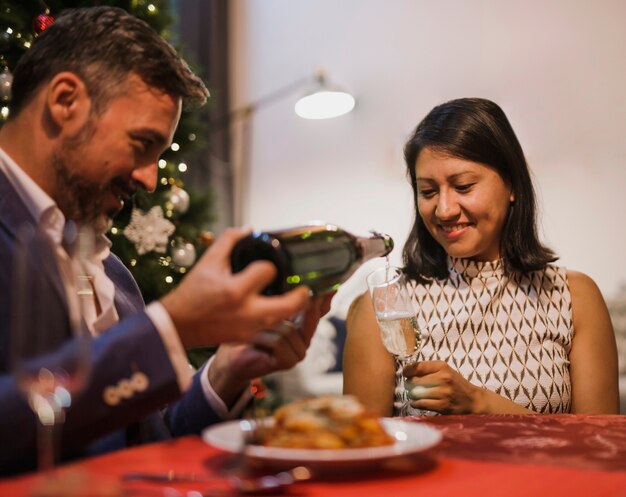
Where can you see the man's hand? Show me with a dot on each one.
(212, 305)
(279, 348)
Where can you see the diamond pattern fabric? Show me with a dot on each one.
(510, 334)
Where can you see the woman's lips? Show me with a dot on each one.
(453, 231)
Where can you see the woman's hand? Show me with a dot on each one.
(435, 386)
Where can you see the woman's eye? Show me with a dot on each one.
(426, 193)
(464, 188)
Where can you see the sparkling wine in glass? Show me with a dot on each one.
(396, 320)
(46, 314)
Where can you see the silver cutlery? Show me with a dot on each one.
(243, 484)
(165, 477)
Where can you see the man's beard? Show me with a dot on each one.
(81, 200)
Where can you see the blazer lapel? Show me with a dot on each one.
(128, 299)
(15, 216)
(13, 212)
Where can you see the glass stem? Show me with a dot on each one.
(48, 439)
(45, 446)
(404, 406)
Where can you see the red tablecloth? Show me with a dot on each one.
(578, 441)
(482, 456)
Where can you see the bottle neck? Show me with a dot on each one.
(378, 245)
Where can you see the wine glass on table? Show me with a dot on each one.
(397, 322)
(49, 349)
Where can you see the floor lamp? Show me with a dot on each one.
(322, 101)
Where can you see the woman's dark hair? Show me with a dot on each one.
(477, 130)
(103, 46)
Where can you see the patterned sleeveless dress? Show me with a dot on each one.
(509, 334)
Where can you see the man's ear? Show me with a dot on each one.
(68, 101)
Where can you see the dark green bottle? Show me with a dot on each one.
(321, 256)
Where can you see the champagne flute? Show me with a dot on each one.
(397, 322)
(46, 294)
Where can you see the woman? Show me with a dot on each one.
(505, 330)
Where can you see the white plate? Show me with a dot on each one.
(409, 438)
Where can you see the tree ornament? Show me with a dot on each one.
(149, 231)
(42, 22)
(258, 388)
(6, 79)
(176, 201)
(183, 253)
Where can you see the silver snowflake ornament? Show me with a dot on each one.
(149, 230)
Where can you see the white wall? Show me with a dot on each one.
(557, 67)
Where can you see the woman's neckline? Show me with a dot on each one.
(476, 269)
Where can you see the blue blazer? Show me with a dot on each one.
(132, 345)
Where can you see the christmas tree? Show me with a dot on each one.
(158, 236)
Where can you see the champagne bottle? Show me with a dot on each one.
(321, 256)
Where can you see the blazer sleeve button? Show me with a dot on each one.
(111, 396)
(139, 381)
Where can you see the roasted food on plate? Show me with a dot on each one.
(329, 422)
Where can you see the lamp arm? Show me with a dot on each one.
(276, 95)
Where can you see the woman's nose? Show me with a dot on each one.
(447, 206)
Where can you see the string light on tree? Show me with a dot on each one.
(6, 79)
(7, 34)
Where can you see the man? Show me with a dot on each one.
(95, 102)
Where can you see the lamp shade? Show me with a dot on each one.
(322, 101)
(324, 104)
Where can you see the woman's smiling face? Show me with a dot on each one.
(463, 204)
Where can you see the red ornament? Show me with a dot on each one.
(259, 390)
(42, 22)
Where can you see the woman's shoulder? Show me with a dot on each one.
(589, 308)
(581, 285)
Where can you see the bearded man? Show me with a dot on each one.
(95, 101)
